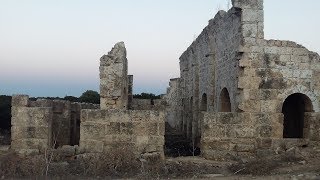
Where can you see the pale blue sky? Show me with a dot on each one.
(52, 47)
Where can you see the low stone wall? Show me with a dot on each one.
(227, 135)
(141, 131)
(37, 125)
(231, 135)
(148, 104)
(30, 126)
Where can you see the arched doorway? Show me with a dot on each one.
(293, 110)
(204, 102)
(225, 104)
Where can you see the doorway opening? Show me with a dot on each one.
(293, 109)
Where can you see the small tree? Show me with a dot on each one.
(90, 96)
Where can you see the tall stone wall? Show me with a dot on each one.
(37, 125)
(139, 131)
(209, 65)
(174, 104)
(113, 78)
(258, 74)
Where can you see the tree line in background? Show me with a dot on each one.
(88, 96)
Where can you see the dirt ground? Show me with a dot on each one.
(295, 163)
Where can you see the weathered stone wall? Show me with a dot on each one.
(209, 65)
(42, 123)
(273, 70)
(30, 128)
(141, 131)
(259, 76)
(234, 135)
(174, 106)
(113, 78)
(148, 104)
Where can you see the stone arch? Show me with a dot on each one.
(224, 101)
(303, 90)
(294, 108)
(204, 102)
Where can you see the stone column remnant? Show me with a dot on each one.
(113, 78)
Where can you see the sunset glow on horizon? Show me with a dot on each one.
(53, 48)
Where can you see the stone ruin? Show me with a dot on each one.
(120, 121)
(239, 95)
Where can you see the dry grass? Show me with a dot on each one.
(12, 165)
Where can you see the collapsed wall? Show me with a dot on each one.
(113, 78)
(42, 124)
(114, 126)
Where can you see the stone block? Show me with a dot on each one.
(21, 132)
(92, 146)
(20, 101)
(228, 118)
(272, 106)
(264, 131)
(217, 131)
(93, 131)
(127, 128)
(250, 106)
(219, 145)
(248, 4)
(264, 143)
(244, 148)
(113, 128)
(30, 143)
(240, 131)
(252, 15)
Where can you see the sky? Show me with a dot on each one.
(53, 47)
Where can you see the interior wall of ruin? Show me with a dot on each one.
(174, 104)
(209, 65)
(148, 104)
(41, 124)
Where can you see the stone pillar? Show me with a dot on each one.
(113, 78)
(252, 18)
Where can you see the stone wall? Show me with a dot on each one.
(37, 125)
(113, 78)
(209, 65)
(233, 135)
(30, 130)
(139, 131)
(174, 104)
(255, 75)
(148, 104)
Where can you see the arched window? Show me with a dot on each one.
(204, 102)
(225, 105)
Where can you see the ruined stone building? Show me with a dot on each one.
(238, 95)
